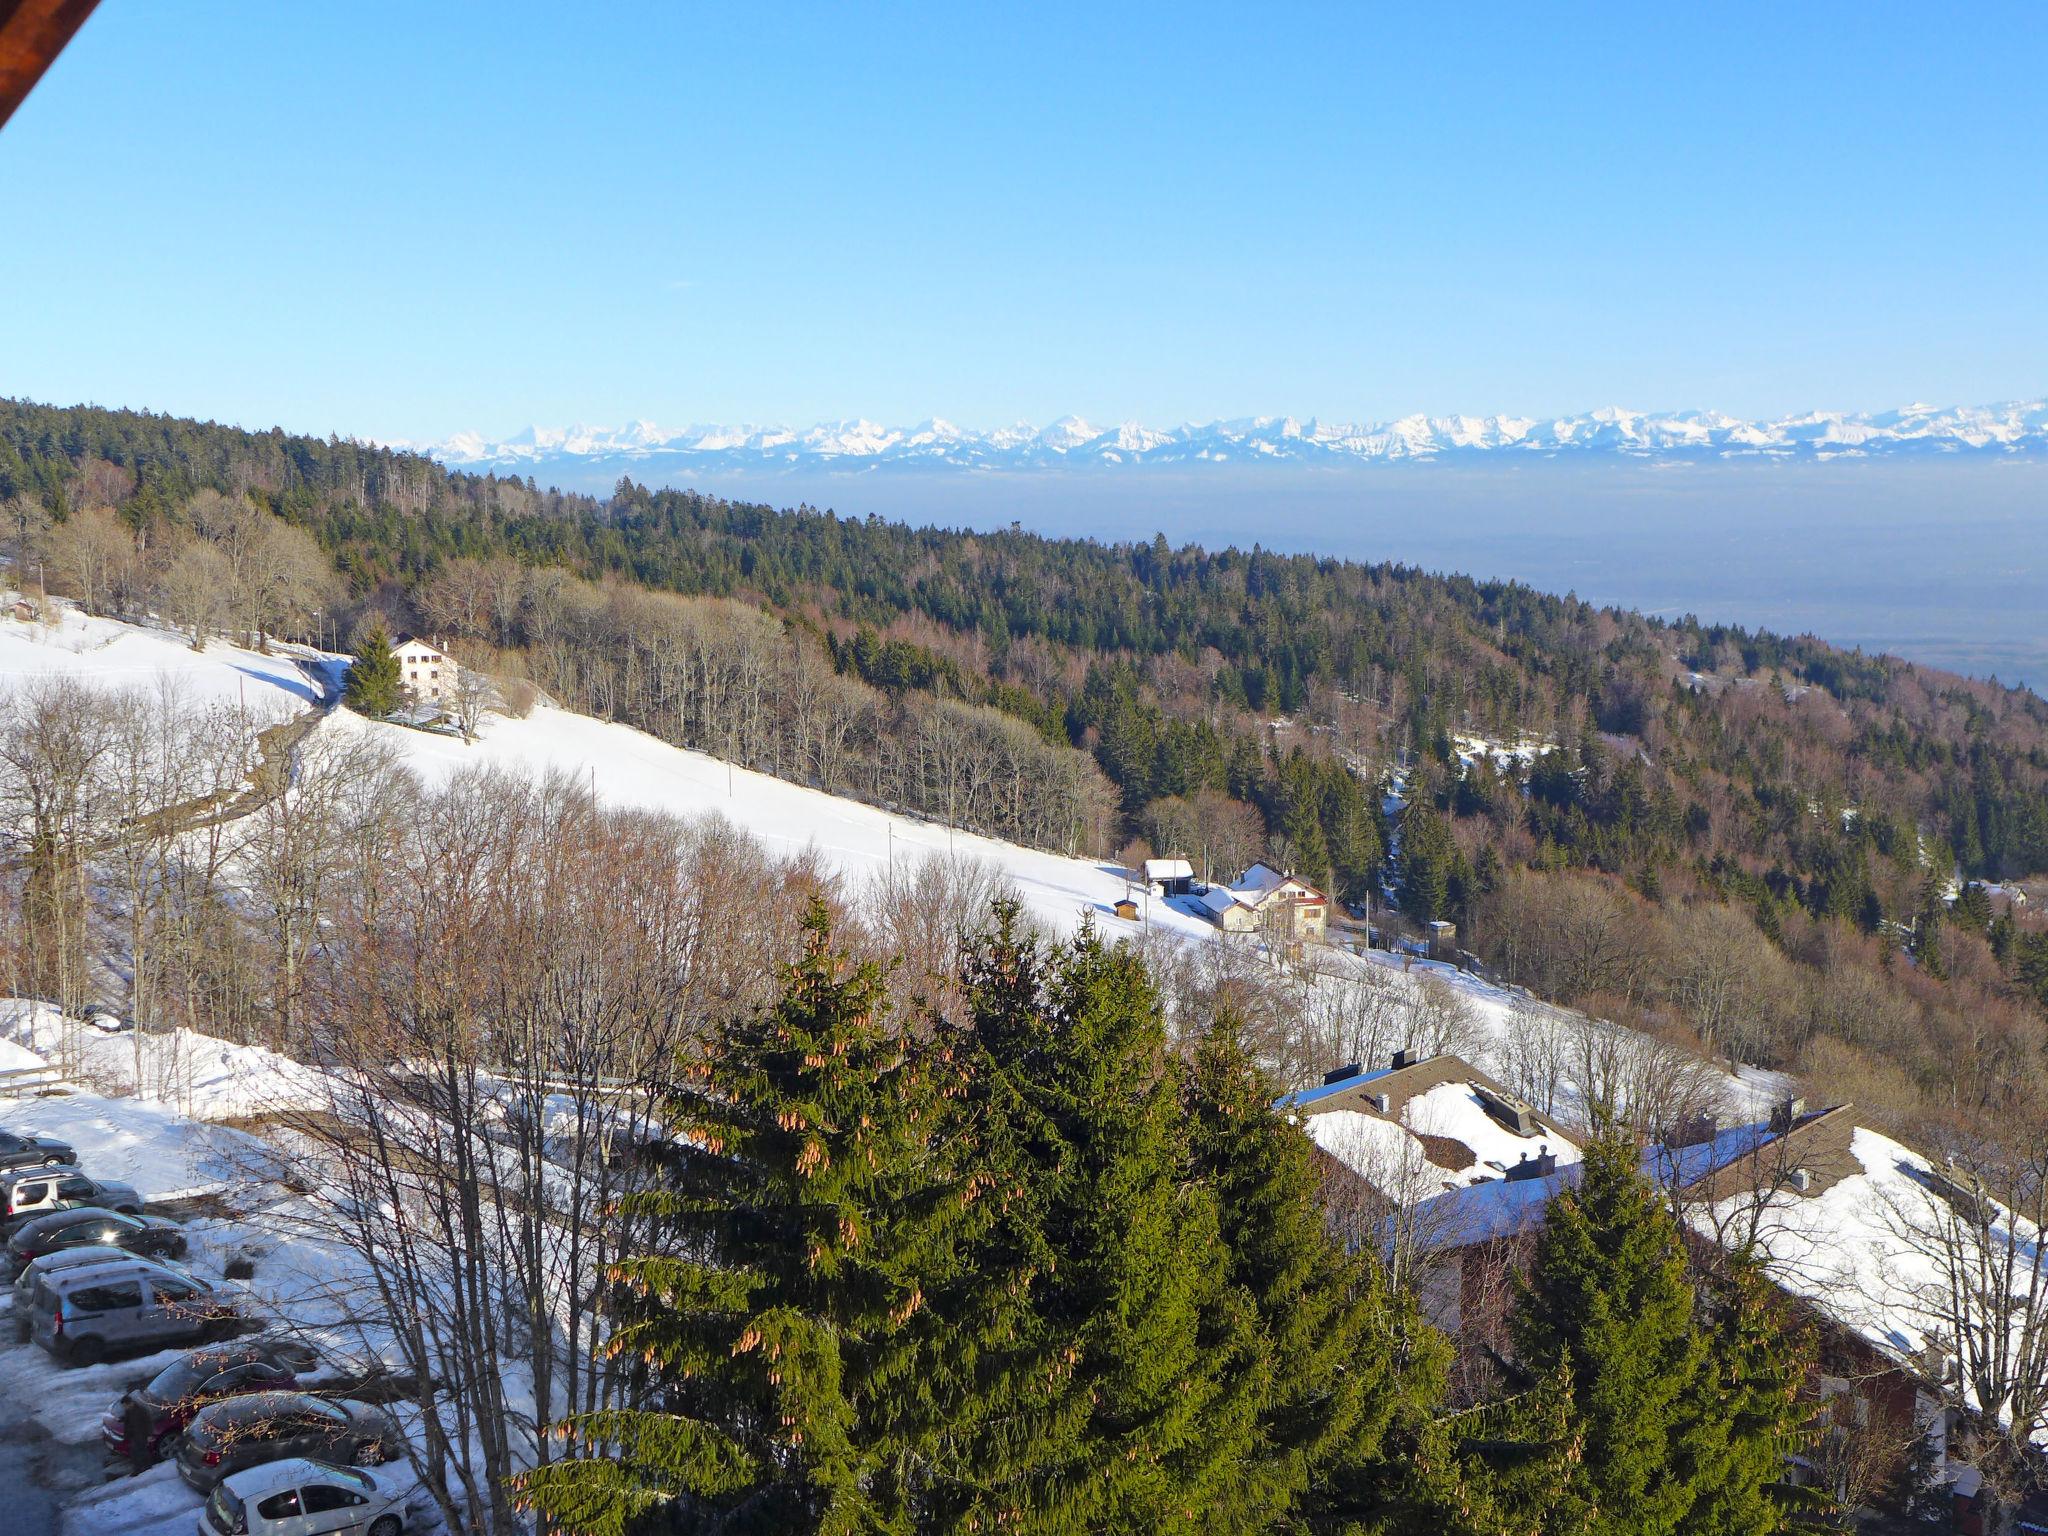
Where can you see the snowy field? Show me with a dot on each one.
(112, 654)
(628, 768)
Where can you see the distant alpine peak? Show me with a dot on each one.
(2017, 427)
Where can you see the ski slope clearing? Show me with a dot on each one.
(628, 768)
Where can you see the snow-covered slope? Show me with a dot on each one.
(626, 767)
(111, 654)
(2011, 428)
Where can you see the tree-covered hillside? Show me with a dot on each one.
(1224, 705)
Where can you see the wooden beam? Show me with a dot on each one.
(32, 34)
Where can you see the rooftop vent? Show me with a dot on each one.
(1800, 1180)
(1382, 1103)
(1510, 1111)
(1786, 1114)
(1541, 1166)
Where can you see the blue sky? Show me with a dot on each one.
(405, 220)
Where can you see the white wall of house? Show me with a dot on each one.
(428, 673)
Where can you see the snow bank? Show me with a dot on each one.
(208, 1079)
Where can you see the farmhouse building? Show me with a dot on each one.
(1172, 877)
(425, 670)
(1282, 907)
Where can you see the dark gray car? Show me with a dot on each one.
(152, 1236)
(224, 1438)
(29, 1151)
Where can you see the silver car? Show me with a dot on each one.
(38, 1191)
(83, 1314)
(72, 1258)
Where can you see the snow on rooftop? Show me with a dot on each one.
(1259, 880)
(1366, 1144)
(1853, 1250)
(1455, 1111)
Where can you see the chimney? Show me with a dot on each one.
(1382, 1103)
(1403, 1058)
(1800, 1180)
(1338, 1074)
(1786, 1114)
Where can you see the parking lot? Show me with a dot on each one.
(64, 1482)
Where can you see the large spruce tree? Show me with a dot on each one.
(1127, 1397)
(1607, 1299)
(1685, 1398)
(1337, 1353)
(1748, 1416)
(375, 687)
(805, 1197)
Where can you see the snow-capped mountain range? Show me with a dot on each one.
(2014, 428)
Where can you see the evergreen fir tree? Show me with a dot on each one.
(778, 1328)
(1126, 1401)
(1747, 1416)
(1510, 1468)
(1333, 1341)
(1918, 1491)
(1606, 1298)
(374, 686)
(1302, 825)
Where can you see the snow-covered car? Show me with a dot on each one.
(36, 1192)
(267, 1427)
(31, 1151)
(302, 1496)
(106, 1020)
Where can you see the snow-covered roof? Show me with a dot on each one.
(1218, 899)
(1262, 881)
(1259, 880)
(1441, 1127)
(1861, 1252)
(1169, 869)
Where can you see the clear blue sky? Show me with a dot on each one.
(405, 220)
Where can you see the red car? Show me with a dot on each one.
(182, 1389)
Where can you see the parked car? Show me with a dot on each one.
(243, 1432)
(70, 1258)
(37, 1191)
(150, 1235)
(81, 1315)
(181, 1389)
(286, 1498)
(32, 1151)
